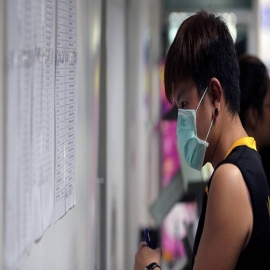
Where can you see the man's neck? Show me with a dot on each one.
(230, 133)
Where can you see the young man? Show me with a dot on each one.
(202, 78)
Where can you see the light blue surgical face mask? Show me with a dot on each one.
(191, 147)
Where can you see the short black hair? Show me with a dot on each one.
(202, 49)
(254, 82)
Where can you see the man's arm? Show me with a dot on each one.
(228, 221)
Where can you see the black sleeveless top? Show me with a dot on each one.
(256, 255)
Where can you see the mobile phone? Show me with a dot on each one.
(147, 237)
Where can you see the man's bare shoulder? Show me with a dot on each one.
(228, 220)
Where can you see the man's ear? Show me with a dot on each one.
(252, 117)
(215, 92)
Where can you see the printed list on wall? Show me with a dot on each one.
(41, 120)
(65, 101)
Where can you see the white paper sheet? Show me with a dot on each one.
(65, 107)
(18, 186)
(41, 120)
(26, 47)
(36, 121)
(11, 232)
(60, 112)
(47, 178)
(71, 109)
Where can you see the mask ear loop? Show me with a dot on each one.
(209, 129)
(212, 118)
(216, 114)
(201, 99)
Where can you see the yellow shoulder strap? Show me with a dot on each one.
(248, 141)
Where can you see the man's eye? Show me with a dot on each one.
(183, 104)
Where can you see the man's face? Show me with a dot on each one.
(186, 97)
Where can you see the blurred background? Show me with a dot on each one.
(129, 171)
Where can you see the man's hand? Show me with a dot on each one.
(145, 256)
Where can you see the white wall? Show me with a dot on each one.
(115, 137)
(70, 243)
(142, 109)
(2, 98)
(134, 211)
(154, 139)
(132, 110)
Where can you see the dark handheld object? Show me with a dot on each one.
(147, 238)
